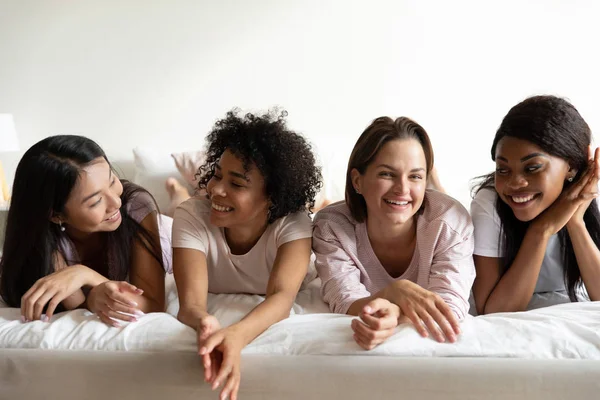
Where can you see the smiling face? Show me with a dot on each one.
(394, 183)
(527, 178)
(94, 202)
(238, 197)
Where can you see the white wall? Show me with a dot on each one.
(159, 73)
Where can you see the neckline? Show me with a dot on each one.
(364, 236)
(231, 254)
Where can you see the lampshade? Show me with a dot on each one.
(8, 134)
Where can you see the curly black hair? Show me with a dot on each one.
(283, 157)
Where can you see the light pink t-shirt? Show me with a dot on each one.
(227, 272)
(138, 208)
(442, 261)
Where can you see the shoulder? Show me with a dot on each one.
(137, 199)
(291, 227)
(485, 197)
(335, 219)
(444, 209)
(484, 204)
(195, 208)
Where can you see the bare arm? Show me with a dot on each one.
(289, 270)
(61, 287)
(512, 291)
(588, 257)
(146, 272)
(191, 278)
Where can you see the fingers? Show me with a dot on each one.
(384, 322)
(104, 318)
(450, 316)
(362, 343)
(206, 362)
(228, 374)
(121, 308)
(432, 326)
(117, 296)
(210, 343)
(128, 287)
(416, 321)
(232, 384)
(236, 389)
(40, 303)
(34, 304)
(117, 315)
(442, 323)
(368, 336)
(28, 301)
(52, 304)
(216, 361)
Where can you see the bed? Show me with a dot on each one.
(548, 353)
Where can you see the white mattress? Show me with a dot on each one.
(528, 354)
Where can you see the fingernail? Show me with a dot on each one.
(23, 319)
(215, 385)
(203, 350)
(139, 313)
(133, 303)
(368, 309)
(44, 318)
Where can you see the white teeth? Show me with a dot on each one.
(522, 199)
(398, 203)
(114, 216)
(221, 208)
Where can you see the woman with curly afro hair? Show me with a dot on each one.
(250, 233)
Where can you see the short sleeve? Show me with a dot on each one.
(140, 205)
(189, 231)
(487, 224)
(293, 227)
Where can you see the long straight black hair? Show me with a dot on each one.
(43, 182)
(556, 127)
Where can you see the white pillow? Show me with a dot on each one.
(152, 168)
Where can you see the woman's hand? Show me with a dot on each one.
(112, 300)
(426, 310)
(207, 326)
(591, 187)
(572, 203)
(51, 290)
(379, 320)
(223, 366)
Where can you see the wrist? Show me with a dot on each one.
(540, 231)
(242, 332)
(575, 224)
(89, 277)
(192, 317)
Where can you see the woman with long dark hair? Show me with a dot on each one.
(78, 236)
(537, 225)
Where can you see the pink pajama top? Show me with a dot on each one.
(442, 261)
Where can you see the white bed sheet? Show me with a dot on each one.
(565, 331)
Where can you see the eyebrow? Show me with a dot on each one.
(98, 192)
(527, 157)
(233, 173)
(393, 169)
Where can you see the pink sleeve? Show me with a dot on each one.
(341, 285)
(452, 268)
(140, 205)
